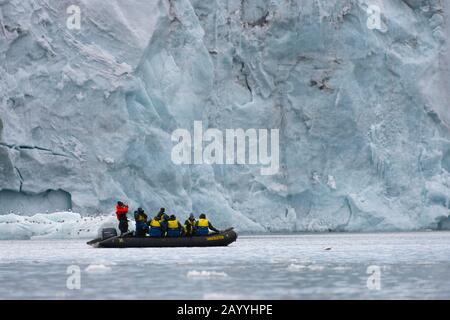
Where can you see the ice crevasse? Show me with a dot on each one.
(86, 116)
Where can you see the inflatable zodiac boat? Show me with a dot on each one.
(109, 239)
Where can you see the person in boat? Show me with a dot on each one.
(155, 228)
(161, 213)
(174, 228)
(121, 214)
(189, 225)
(164, 218)
(202, 226)
(141, 222)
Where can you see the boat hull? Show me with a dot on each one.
(220, 239)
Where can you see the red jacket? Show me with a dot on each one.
(121, 212)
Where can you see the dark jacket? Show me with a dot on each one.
(189, 226)
(140, 217)
(164, 218)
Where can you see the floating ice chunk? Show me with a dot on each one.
(223, 296)
(316, 268)
(296, 267)
(299, 267)
(206, 274)
(97, 268)
(341, 268)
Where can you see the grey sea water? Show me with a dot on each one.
(311, 266)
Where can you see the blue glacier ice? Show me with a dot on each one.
(86, 116)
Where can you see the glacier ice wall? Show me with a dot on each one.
(363, 113)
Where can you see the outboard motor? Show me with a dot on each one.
(108, 233)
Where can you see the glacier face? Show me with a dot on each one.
(362, 112)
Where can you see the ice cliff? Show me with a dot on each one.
(86, 116)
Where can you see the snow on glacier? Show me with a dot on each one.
(58, 225)
(363, 114)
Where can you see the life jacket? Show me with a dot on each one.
(189, 226)
(141, 223)
(139, 217)
(121, 212)
(173, 229)
(202, 227)
(155, 228)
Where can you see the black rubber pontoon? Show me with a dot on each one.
(220, 239)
